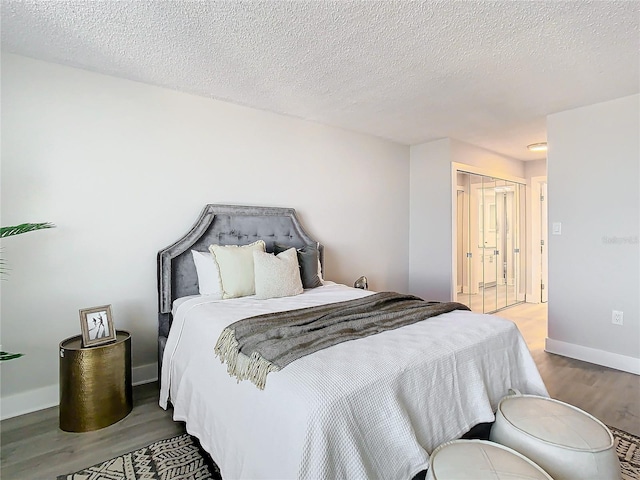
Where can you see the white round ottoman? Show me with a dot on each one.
(481, 460)
(568, 443)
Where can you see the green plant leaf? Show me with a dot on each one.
(23, 228)
(17, 230)
(9, 356)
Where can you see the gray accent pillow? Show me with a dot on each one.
(308, 260)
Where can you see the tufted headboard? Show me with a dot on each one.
(222, 225)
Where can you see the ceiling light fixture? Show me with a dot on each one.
(538, 147)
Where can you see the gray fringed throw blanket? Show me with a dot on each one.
(255, 346)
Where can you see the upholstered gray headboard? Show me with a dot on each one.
(222, 225)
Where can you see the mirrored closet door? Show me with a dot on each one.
(491, 263)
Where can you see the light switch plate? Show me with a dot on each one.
(556, 228)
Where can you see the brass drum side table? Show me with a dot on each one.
(95, 383)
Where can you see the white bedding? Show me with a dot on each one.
(366, 409)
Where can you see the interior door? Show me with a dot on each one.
(490, 247)
(544, 258)
(464, 255)
(514, 235)
(490, 219)
(519, 243)
(504, 262)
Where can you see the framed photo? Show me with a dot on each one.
(97, 326)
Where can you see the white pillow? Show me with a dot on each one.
(277, 275)
(209, 282)
(236, 268)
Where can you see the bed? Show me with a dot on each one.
(369, 408)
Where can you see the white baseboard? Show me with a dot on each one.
(28, 402)
(46, 397)
(144, 374)
(592, 355)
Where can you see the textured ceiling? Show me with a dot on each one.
(483, 72)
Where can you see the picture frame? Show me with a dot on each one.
(97, 326)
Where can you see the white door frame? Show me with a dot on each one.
(535, 256)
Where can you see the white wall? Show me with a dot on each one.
(593, 187)
(535, 168)
(430, 272)
(123, 169)
(486, 161)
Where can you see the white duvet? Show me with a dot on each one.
(372, 408)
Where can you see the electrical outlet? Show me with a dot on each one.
(616, 317)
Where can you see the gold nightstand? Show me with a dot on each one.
(95, 383)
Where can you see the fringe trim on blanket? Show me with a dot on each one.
(254, 368)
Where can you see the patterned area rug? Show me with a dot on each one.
(181, 458)
(177, 458)
(628, 449)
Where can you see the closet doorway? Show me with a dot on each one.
(491, 254)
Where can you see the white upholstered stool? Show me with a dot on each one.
(566, 442)
(481, 460)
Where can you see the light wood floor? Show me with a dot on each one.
(610, 395)
(490, 299)
(33, 447)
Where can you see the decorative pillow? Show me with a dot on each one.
(277, 275)
(309, 260)
(236, 268)
(208, 274)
